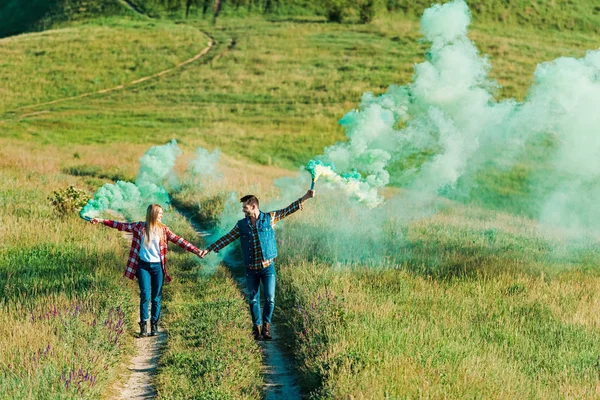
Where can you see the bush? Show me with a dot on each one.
(335, 10)
(391, 5)
(68, 200)
(366, 11)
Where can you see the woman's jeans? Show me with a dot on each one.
(253, 279)
(150, 279)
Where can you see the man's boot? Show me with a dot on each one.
(266, 331)
(256, 332)
(154, 328)
(143, 327)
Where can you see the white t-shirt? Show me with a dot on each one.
(150, 253)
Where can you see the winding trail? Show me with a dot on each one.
(210, 45)
(277, 368)
(143, 368)
(127, 4)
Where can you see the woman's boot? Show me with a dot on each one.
(143, 329)
(153, 328)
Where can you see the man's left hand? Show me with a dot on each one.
(309, 195)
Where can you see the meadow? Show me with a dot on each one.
(468, 302)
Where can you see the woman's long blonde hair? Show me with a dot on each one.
(152, 225)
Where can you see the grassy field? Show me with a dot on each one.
(274, 98)
(69, 319)
(463, 302)
(66, 317)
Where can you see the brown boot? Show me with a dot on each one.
(256, 332)
(266, 331)
(143, 327)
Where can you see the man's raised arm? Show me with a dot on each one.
(292, 208)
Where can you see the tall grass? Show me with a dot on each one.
(396, 334)
(465, 302)
(67, 317)
(273, 99)
(472, 303)
(210, 352)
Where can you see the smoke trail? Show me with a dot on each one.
(438, 135)
(204, 168)
(446, 128)
(131, 199)
(231, 254)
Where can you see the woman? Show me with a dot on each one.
(148, 260)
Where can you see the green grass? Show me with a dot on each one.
(69, 320)
(67, 62)
(65, 317)
(274, 98)
(210, 352)
(465, 302)
(393, 334)
(581, 15)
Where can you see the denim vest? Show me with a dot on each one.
(266, 238)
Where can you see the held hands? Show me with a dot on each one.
(202, 253)
(94, 221)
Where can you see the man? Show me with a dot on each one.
(259, 248)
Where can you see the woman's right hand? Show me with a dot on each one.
(94, 221)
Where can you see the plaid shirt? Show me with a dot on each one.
(257, 256)
(137, 229)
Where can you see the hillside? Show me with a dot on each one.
(581, 15)
(18, 16)
(451, 288)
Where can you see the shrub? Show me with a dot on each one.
(68, 200)
(366, 11)
(335, 10)
(392, 5)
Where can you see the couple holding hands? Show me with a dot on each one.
(148, 258)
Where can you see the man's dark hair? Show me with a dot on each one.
(250, 199)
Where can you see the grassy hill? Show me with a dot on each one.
(18, 16)
(461, 301)
(581, 15)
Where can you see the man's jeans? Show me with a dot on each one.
(253, 279)
(150, 279)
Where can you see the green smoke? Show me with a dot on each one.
(154, 176)
(442, 134)
(449, 121)
(204, 167)
(439, 134)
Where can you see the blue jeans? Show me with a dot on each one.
(253, 279)
(150, 279)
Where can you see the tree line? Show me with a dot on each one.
(333, 10)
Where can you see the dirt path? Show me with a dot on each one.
(280, 379)
(210, 45)
(277, 368)
(143, 368)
